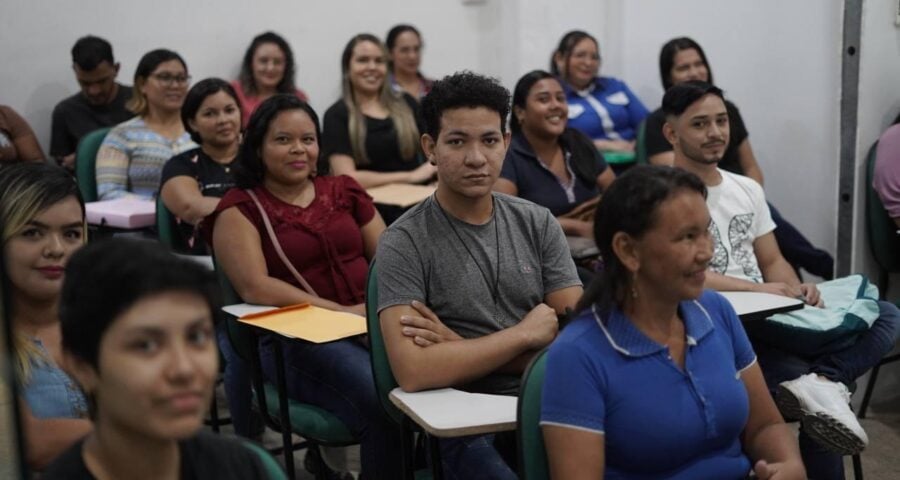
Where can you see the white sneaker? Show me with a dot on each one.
(823, 408)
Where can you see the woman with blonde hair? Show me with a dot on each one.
(44, 225)
(131, 158)
(372, 134)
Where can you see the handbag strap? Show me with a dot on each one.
(287, 263)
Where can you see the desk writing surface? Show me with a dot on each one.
(448, 412)
(310, 323)
(582, 247)
(755, 305)
(127, 213)
(400, 194)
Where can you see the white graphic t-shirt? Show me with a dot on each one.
(739, 216)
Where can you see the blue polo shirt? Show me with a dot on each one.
(536, 183)
(606, 110)
(658, 421)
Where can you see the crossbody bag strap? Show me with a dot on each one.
(287, 263)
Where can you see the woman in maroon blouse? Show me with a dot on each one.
(328, 229)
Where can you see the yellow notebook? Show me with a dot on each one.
(308, 322)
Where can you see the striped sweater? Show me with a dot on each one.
(131, 159)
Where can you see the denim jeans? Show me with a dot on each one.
(844, 366)
(236, 378)
(798, 251)
(474, 458)
(337, 376)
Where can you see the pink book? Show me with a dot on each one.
(129, 213)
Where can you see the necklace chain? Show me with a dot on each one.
(495, 289)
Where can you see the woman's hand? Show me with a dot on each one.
(427, 329)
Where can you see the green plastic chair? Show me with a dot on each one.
(640, 144)
(533, 463)
(85, 163)
(384, 377)
(316, 425)
(273, 469)
(164, 221)
(884, 243)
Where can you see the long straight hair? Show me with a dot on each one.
(398, 110)
(27, 189)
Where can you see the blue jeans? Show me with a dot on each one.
(236, 378)
(337, 376)
(474, 458)
(844, 366)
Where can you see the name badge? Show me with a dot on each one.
(618, 98)
(575, 110)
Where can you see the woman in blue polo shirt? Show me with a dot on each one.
(656, 378)
(603, 108)
(549, 163)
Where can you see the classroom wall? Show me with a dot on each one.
(790, 106)
(779, 62)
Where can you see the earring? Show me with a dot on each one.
(634, 293)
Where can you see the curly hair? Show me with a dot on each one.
(463, 89)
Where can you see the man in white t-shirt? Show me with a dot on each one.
(746, 258)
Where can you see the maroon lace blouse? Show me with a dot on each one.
(323, 240)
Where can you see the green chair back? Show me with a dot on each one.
(273, 469)
(164, 222)
(640, 144)
(882, 231)
(85, 163)
(532, 454)
(381, 367)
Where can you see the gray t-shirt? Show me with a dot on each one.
(451, 266)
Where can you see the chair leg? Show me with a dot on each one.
(870, 386)
(214, 413)
(285, 419)
(407, 449)
(857, 467)
(437, 466)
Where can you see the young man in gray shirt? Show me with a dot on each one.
(470, 281)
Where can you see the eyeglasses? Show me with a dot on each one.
(168, 80)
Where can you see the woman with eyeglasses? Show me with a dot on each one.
(131, 158)
(603, 108)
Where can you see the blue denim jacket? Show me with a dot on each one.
(50, 392)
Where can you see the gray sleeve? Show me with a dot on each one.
(557, 266)
(401, 277)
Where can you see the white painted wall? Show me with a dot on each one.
(780, 64)
(779, 61)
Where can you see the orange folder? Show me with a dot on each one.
(308, 322)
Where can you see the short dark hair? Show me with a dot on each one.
(105, 278)
(630, 205)
(250, 169)
(90, 51)
(463, 89)
(195, 97)
(566, 45)
(679, 97)
(667, 58)
(286, 85)
(520, 93)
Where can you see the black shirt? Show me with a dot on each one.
(74, 118)
(382, 144)
(213, 178)
(204, 456)
(656, 142)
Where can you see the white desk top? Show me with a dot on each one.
(241, 309)
(448, 412)
(127, 213)
(756, 305)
